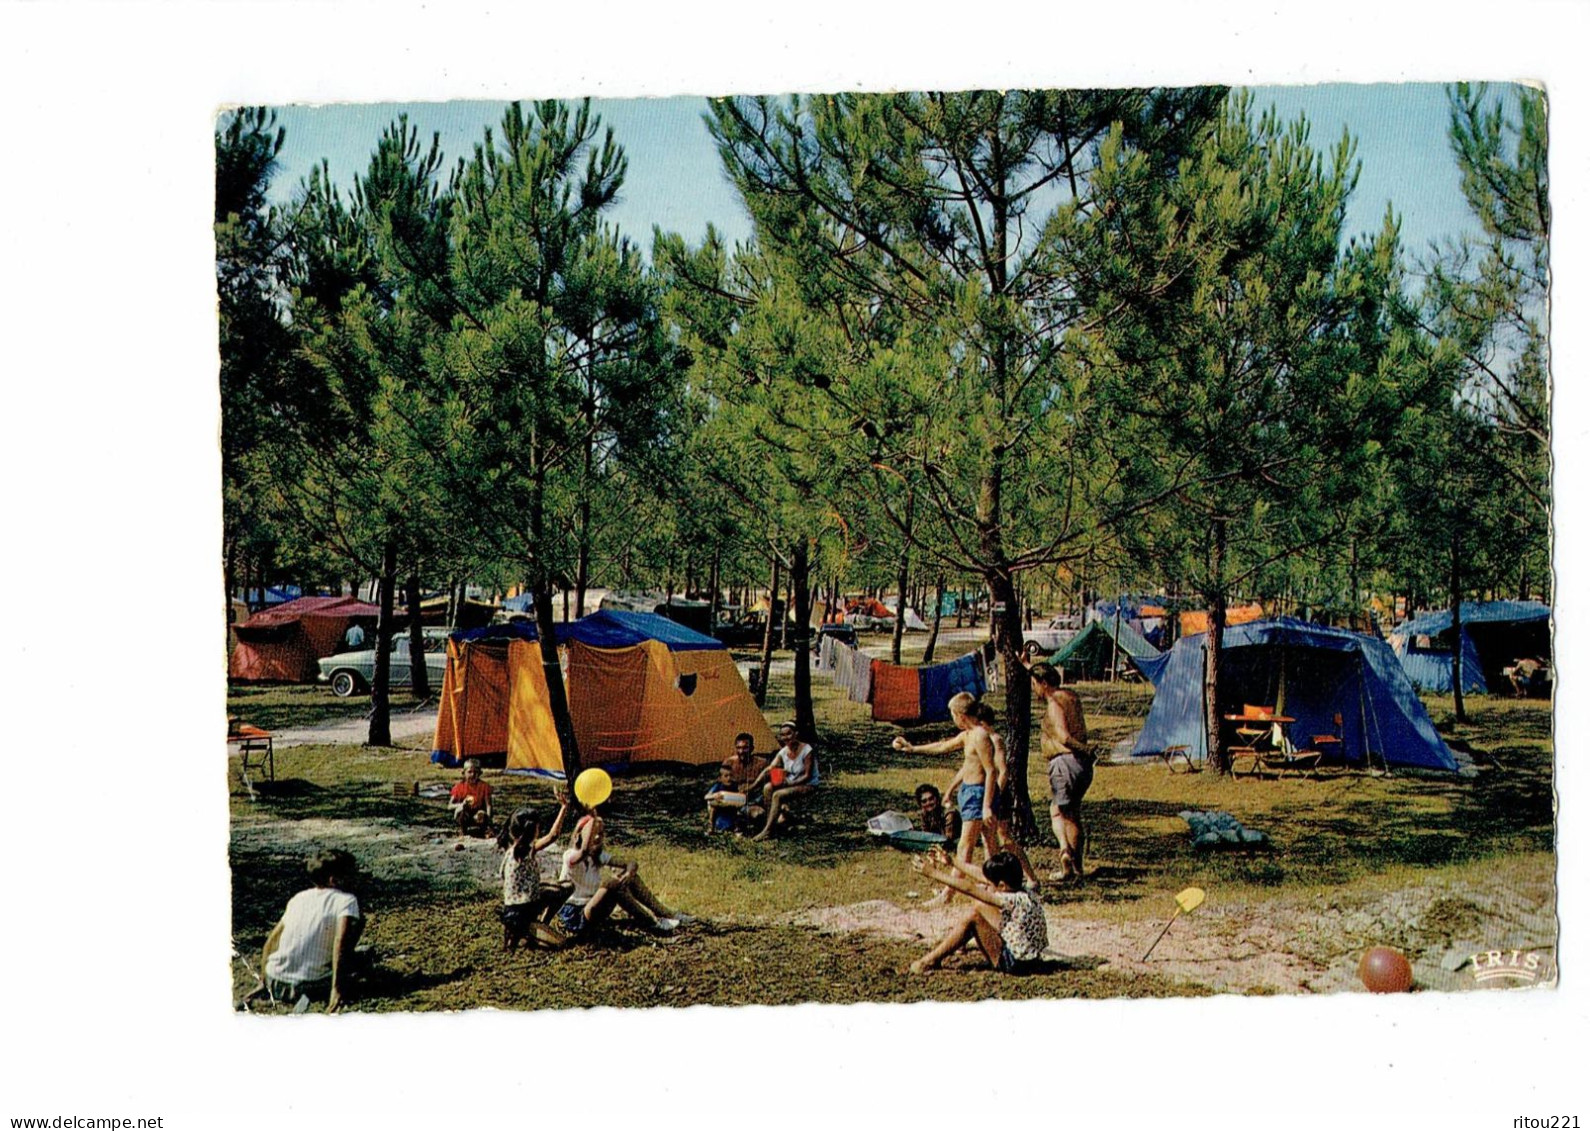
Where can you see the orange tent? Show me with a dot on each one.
(1194, 622)
(641, 688)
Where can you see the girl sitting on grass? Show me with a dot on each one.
(524, 900)
(595, 895)
(1007, 922)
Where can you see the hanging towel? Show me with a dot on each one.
(844, 669)
(861, 684)
(896, 692)
(940, 681)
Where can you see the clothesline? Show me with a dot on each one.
(902, 694)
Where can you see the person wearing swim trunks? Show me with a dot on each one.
(997, 835)
(977, 769)
(1063, 738)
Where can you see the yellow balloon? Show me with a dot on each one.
(593, 787)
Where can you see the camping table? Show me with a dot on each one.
(258, 749)
(1247, 749)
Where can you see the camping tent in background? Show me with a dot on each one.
(1145, 615)
(1309, 673)
(1089, 653)
(1195, 621)
(471, 614)
(913, 623)
(1495, 633)
(695, 615)
(282, 643)
(1427, 661)
(273, 595)
(641, 688)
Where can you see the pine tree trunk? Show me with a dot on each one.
(419, 675)
(901, 579)
(1458, 711)
(799, 581)
(712, 611)
(1216, 753)
(385, 625)
(767, 639)
(933, 631)
(552, 670)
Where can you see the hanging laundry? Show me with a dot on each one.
(941, 681)
(896, 692)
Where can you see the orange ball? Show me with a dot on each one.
(1385, 971)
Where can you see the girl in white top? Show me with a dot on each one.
(523, 899)
(796, 761)
(594, 896)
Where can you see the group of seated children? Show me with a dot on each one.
(591, 883)
(792, 772)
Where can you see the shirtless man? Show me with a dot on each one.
(1064, 741)
(975, 798)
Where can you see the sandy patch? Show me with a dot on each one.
(1284, 945)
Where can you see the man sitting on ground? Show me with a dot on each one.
(935, 817)
(470, 802)
(310, 951)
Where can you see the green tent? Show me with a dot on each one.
(1087, 655)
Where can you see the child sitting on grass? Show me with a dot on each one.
(470, 802)
(524, 900)
(595, 896)
(724, 802)
(310, 951)
(1007, 922)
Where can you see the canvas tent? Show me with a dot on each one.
(1194, 621)
(1089, 654)
(641, 688)
(1309, 673)
(1495, 633)
(283, 642)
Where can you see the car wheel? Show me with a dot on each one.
(344, 683)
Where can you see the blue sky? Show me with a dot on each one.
(675, 180)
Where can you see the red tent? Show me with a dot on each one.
(284, 641)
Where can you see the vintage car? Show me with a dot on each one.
(348, 672)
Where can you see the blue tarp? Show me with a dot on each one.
(941, 681)
(605, 628)
(1480, 612)
(1430, 669)
(1495, 633)
(1326, 671)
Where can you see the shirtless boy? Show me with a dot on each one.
(1064, 741)
(975, 797)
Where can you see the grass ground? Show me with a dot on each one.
(293, 705)
(1338, 846)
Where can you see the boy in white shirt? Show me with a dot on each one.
(309, 952)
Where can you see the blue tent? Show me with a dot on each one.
(1495, 633)
(605, 628)
(1312, 674)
